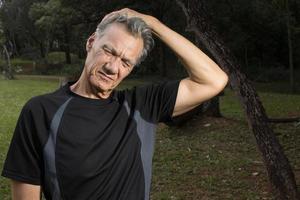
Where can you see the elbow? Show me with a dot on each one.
(225, 80)
(221, 82)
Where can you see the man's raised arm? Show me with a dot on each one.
(205, 80)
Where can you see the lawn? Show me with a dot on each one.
(207, 158)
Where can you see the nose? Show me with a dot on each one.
(112, 66)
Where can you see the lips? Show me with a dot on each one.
(104, 76)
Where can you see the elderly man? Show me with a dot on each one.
(89, 141)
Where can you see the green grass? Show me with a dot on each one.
(207, 158)
(13, 95)
(199, 161)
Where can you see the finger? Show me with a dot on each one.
(125, 11)
(109, 15)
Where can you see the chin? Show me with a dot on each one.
(100, 86)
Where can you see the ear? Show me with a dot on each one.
(90, 42)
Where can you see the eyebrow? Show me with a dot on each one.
(114, 52)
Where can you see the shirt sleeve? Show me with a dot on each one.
(23, 161)
(156, 102)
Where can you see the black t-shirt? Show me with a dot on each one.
(81, 148)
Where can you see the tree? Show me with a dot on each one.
(284, 7)
(19, 29)
(51, 16)
(5, 54)
(280, 173)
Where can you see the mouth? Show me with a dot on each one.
(104, 76)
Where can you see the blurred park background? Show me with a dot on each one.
(42, 44)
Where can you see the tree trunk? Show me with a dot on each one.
(8, 72)
(279, 170)
(289, 37)
(16, 52)
(42, 50)
(67, 45)
(284, 120)
(246, 57)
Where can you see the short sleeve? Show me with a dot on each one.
(23, 161)
(156, 102)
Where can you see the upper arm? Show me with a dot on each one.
(191, 94)
(24, 161)
(155, 102)
(25, 191)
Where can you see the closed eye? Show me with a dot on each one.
(107, 50)
(112, 52)
(125, 63)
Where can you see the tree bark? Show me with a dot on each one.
(67, 45)
(42, 50)
(15, 52)
(8, 72)
(279, 170)
(290, 45)
(246, 57)
(284, 120)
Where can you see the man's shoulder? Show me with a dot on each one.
(154, 87)
(46, 100)
(141, 94)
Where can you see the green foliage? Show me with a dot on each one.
(2, 36)
(19, 65)
(57, 65)
(59, 58)
(22, 65)
(70, 70)
(2, 62)
(51, 14)
(255, 31)
(20, 61)
(280, 4)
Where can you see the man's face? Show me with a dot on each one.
(111, 57)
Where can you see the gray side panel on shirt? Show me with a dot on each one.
(49, 154)
(146, 133)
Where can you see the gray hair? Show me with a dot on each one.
(135, 26)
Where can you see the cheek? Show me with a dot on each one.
(93, 66)
(90, 69)
(95, 57)
(124, 73)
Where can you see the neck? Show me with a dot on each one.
(83, 88)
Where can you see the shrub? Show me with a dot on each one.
(59, 57)
(23, 66)
(70, 70)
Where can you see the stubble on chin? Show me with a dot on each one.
(99, 85)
